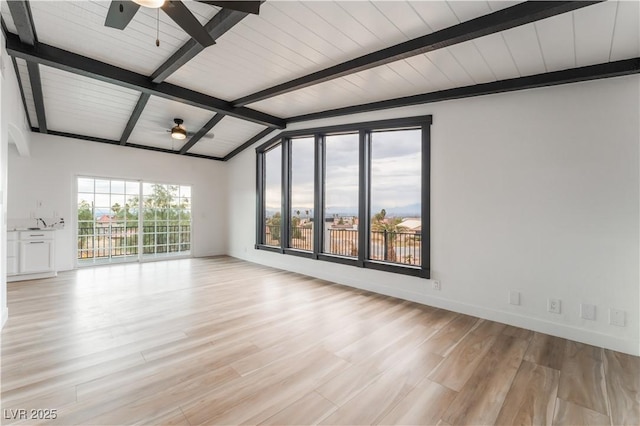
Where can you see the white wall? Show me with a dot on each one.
(535, 191)
(49, 174)
(13, 128)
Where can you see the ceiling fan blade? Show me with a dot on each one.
(241, 6)
(207, 136)
(120, 14)
(185, 19)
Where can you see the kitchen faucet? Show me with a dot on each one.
(41, 220)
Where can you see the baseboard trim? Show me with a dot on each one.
(566, 331)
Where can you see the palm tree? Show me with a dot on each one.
(389, 227)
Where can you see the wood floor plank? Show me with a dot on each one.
(546, 350)
(424, 405)
(622, 374)
(308, 410)
(462, 362)
(372, 403)
(157, 343)
(449, 336)
(343, 387)
(569, 414)
(480, 401)
(582, 379)
(518, 332)
(259, 402)
(532, 396)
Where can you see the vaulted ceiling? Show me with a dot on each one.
(296, 60)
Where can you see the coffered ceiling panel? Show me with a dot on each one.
(85, 106)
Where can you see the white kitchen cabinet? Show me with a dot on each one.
(33, 255)
(12, 253)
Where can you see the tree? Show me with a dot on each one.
(389, 227)
(85, 212)
(273, 223)
(295, 227)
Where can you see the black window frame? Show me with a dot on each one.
(364, 130)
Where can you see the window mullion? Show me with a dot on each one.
(364, 196)
(140, 221)
(425, 191)
(261, 179)
(285, 223)
(318, 204)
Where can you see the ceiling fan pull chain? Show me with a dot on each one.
(157, 27)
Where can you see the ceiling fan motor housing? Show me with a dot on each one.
(178, 131)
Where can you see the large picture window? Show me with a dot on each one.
(355, 194)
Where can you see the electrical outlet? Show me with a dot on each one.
(617, 317)
(553, 306)
(514, 297)
(435, 284)
(588, 311)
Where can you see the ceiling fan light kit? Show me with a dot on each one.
(154, 4)
(121, 12)
(178, 131)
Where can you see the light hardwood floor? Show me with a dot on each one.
(222, 341)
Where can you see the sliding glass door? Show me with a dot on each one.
(122, 220)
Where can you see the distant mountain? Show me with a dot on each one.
(411, 210)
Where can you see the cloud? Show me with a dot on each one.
(395, 171)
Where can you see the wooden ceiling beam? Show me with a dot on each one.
(135, 116)
(200, 133)
(54, 57)
(222, 22)
(23, 20)
(511, 17)
(572, 75)
(129, 145)
(247, 144)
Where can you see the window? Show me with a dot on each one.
(355, 194)
(272, 208)
(166, 213)
(121, 220)
(107, 220)
(302, 194)
(341, 195)
(396, 223)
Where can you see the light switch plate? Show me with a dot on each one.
(617, 317)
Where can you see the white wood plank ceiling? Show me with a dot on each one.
(291, 39)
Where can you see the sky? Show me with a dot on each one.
(395, 173)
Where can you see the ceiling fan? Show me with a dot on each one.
(121, 12)
(179, 131)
